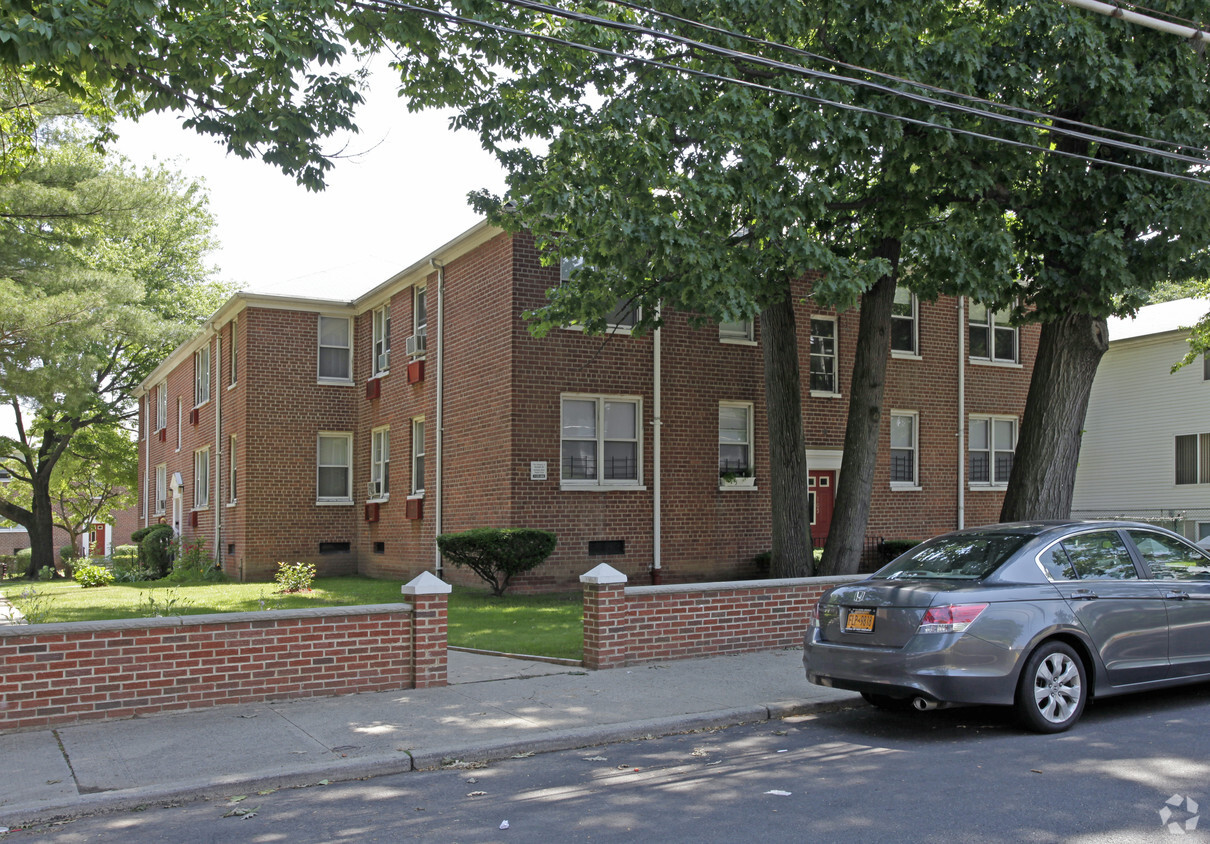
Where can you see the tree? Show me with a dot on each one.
(101, 270)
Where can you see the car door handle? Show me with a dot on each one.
(1176, 595)
(1083, 595)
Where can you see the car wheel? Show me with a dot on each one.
(1052, 690)
(888, 703)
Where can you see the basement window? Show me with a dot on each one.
(334, 547)
(606, 547)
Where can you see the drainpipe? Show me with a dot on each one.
(437, 490)
(657, 480)
(147, 459)
(961, 413)
(216, 502)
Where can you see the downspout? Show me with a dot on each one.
(440, 268)
(657, 479)
(961, 464)
(147, 459)
(218, 443)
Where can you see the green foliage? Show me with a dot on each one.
(68, 553)
(194, 563)
(160, 603)
(124, 555)
(93, 575)
(155, 548)
(22, 558)
(294, 577)
(496, 555)
(34, 606)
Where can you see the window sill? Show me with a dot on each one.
(381, 499)
(231, 504)
(202, 509)
(333, 502)
(737, 487)
(905, 355)
(736, 341)
(824, 394)
(335, 382)
(1002, 364)
(905, 487)
(987, 487)
(572, 487)
(232, 385)
(203, 404)
(416, 496)
(379, 375)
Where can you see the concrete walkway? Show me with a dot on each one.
(494, 708)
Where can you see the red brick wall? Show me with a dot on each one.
(58, 674)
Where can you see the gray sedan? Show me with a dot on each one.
(1041, 616)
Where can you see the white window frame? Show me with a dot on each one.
(989, 325)
(420, 296)
(914, 448)
(600, 481)
(990, 420)
(201, 376)
(234, 375)
(834, 356)
(568, 266)
(232, 473)
(180, 420)
(380, 349)
(347, 437)
(161, 406)
(380, 464)
(742, 332)
(418, 451)
(914, 318)
(746, 476)
(1201, 458)
(161, 489)
(201, 478)
(347, 377)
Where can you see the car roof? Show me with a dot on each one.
(1042, 526)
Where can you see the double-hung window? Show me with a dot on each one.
(201, 478)
(905, 331)
(418, 457)
(823, 356)
(904, 448)
(624, 315)
(234, 352)
(600, 441)
(1193, 459)
(161, 406)
(734, 440)
(382, 341)
(736, 332)
(201, 376)
(380, 463)
(335, 468)
(161, 489)
(335, 349)
(992, 334)
(993, 440)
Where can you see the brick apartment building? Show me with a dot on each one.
(351, 433)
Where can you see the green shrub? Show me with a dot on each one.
(68, 552)
(127, 555)
(195, 563)
(294, 577)
(497, 554)
(155, 548)
(90, 575)
(23, 558)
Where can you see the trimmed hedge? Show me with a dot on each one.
(497, 554)
(155, 548)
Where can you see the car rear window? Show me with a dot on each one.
(963, 557)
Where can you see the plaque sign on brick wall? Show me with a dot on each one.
(537, 470)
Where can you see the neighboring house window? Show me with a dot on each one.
(992, 336)
(233, 475)
(161, 406)
(1206, 367)
(418, 457)
(623, 315)
(380, 463)
(600, 440)
(382, 341)
(1193, 459)
(5, 475)
(993, 439)
(1203, 531)
(735, 439)
(735, 331)
(904, 448)
(823, 355)
(335, 349)
(201, 376)
(161, 489)
(335, 468)
(234, 350)
(904, 322)
(201, 478)
(180, 416)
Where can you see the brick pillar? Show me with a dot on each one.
(605, 617)
(428, 596)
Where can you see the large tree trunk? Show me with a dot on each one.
(1043, 476)
(851, 510)
(40, 528)
(787, 448)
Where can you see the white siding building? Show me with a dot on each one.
(1145, 452)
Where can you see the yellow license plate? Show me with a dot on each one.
(860, 621)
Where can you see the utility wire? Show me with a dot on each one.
(450, 17)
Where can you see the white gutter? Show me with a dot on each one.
(440, 375)
(657, 480)
(961, 413)
(1113, 11)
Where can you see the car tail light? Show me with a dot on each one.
(813, 621)
(954, 618)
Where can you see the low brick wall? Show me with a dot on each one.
(56, 674)
(627, 625)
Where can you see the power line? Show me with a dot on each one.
(450, 17)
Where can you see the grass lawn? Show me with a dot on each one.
(539, 625)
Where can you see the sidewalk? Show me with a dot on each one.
(494, 707)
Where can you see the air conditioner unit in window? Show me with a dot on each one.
(416, 344)
(373, 489)
(384, 361)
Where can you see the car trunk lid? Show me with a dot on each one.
(877, 613)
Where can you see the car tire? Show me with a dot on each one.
(888, 703)
(1053, 688)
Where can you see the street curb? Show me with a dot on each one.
(379, 765)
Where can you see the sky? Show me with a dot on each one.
(399, 195)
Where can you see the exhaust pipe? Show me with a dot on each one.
(923, 704)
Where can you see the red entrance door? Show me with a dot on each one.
(96, 541)
(822, 484)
